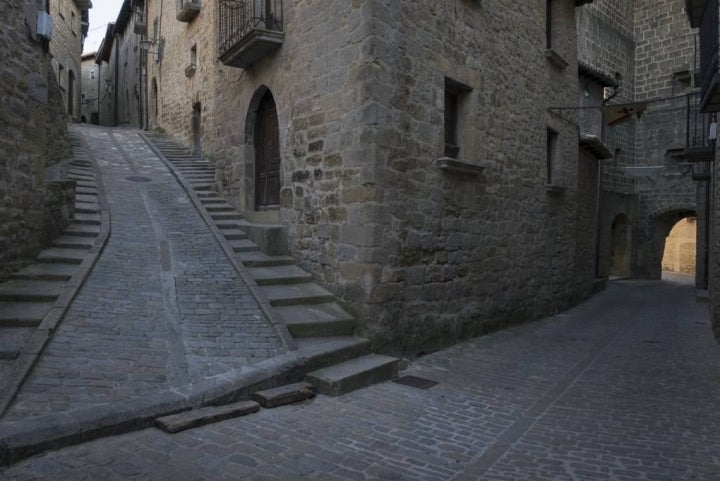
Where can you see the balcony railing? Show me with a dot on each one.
(249, 30)
(187, 9)
(699, 147)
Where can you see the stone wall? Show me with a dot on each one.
(66, 49)
(650, 44)
(90, 90)
(33, 136)
(421, 256)
(453, 255)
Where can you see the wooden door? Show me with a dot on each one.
(267, 155)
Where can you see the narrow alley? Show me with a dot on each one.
(622, 387)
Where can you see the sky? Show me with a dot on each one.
(103, 12)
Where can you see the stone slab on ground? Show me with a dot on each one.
(353, 374)
(199, 417)
(282, 395)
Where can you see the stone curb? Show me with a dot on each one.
(21, 439)
(33, 349)
(273, 317)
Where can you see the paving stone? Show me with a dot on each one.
(279, 396)
(202, 416)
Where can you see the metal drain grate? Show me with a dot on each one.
(417, 382)
(137, 178)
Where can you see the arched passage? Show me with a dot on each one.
(621, 246)
(661, 225)
(681, 247)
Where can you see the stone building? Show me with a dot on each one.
(35, 202)
(643, 51)
(120, 65)
(70, 27)
(89, 95)
(408, 149)
(705, 15)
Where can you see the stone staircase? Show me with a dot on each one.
(31, 293)
(318, 324)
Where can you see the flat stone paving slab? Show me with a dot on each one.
(199, 417)
(288, 394)
(353, 374)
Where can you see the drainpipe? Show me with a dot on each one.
(117, 80)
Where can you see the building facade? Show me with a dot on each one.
(637, 52)
(414, 162)
(36, 203)
(70, 27)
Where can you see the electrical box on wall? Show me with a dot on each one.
(44, 25)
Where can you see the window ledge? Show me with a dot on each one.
(455, 166)
(556, 59)
(554, 189)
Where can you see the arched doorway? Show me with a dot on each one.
(681, 247)
(266, 140)
(621, 245)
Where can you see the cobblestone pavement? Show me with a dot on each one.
(624, 387)
(162, 307)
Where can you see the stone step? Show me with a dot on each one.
(207, 194)
(226, 216)
(74, 176)
(86, 198)
(90, 219)
(354, 374)
(62, 255)
(82, 230)
(288, 394)
(46, 271)
(294, 294)
(23, 314)
(228, 224)
(204, 187)
(85, 190)
(87, 207)
(73, 242)
(220, 208)
(30, 290)
(242, 245)
(258, 259)
(85, 184)
(231, 234)
(213, 200)
(320, 352)
(13, 339)
(200, 417)
(290, 274)
(317, 320)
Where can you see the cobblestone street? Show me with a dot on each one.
(623, 387)
(147, 317)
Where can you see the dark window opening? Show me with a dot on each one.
(548, 23)
(455, 96)
(552, 138)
